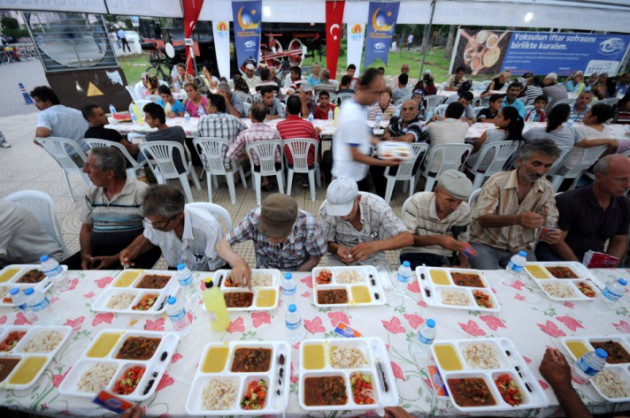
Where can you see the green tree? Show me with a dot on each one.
(11, 27)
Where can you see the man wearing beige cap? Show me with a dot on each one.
(353, 222)
(250, 78)
(306, 96)
(285, 238)
(554, 90)
(439, 222)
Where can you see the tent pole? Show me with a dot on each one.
(424, 52)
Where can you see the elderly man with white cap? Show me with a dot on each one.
(353, 223)
(556, 91)
(250, 78)
(439, 222)
(306, 96)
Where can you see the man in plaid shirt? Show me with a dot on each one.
(219, 124)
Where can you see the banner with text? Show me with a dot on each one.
(381, 26)
(490, 52)
(247, 15)
(334, 20)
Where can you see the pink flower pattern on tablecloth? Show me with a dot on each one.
(520, 297)
(89, 295)
(259, 318)
(393, 325)
(569, 322)
(75, 323)
(492, 322)
(337, 317)
(70, 285)
(543, 384)
(58, 378)
(422, 304)
(414, 320)
(398, 373)
(104, 281)
(308, 280)
(20, 319)
(306, 294)
(472, 328)
(165, 382)
(414, 287)
(569, 305)
(3, 319)
(236, 326)
(176, 357)
(527, 359)
(314, 326)
(518, 285)
(622, 326)
(103, 317)
(157, 325)
(552, 329)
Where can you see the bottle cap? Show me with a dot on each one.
(430, 323)
(14, 291)
(293, 308)
(522, 253)
(172, 300)
(406, 263)
(43, 258)
(622, 282)
(288, 276)
(29, 291)
(209, 283)
(181, 266)
(601, 353)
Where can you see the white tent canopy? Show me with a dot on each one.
(598, 15)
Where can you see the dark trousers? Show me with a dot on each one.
(418, 259)
(125, 44)
(144, 261)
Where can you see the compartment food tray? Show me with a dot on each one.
(265, 298)
(10, 274)
(543, 277)
(367, 290)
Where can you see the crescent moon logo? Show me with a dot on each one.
(246, 23)
(332, 29)
(376, 22)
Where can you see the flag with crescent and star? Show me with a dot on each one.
(381, 25)
(334, 20)
(247, 26)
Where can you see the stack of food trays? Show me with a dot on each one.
(25, 352)
(487, 374)
(563, 281)
(127, 363)
(241, 378)
(346, 374)
(22, 276)
(612, 383)
(142, 292)
(264, 294)
(456, 289)
(347, 286)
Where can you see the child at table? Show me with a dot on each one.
(324, 106)
(537, 114)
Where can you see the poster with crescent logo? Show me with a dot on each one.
(247, 26)
(380, 31)
(334, 20)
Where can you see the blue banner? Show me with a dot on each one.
(564, 53)
(247, 16)
(381, 26)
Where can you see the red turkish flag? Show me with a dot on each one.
(192, 9)
(334, 20)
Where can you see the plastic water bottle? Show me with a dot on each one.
(424, 341)
(611, 294)
(331, 114)
(185, 279)
(288, 288)
(310, 117)
(187, 116)
(112, 109)
(403, 276)
(19, 301)
(429, 115)
(201, 112)
(39, 304)
(377, 122)
(336, 114)
(178, 316)
(293, 322)
(51, 268)
(514, 268)
(134, 118)
(588, 366)
(396, 113)
(176, 85)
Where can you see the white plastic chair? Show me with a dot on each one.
(299, 149)
(431, 102)
(474, 196)
(211, 152)
(153, 98)
(564, 150)
(135, 165)
(266, 153)
(343, 96)
(405, 171)
(478, 109)
(501, 152)
(132, 92)
(42, 207)
(440, 110)
(452, 156)
(246, 107)
(611, 101)
(217, 211)
(159, 155)
(565, 101)
(60, 149)
(589, 157)
(402, 100)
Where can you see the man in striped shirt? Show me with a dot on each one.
(111, 216)
(296, 127)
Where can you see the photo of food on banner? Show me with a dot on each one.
(481, 51)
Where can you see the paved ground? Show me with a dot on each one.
(31, 73)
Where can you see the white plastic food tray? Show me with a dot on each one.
(220, 277)
(546, 278)
(12, 273)
(369, 284)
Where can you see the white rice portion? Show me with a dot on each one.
(559, 290)
(44, 342)
(611, 385)
(456, 298)
(481, 356)
(96, 378)
(120, 301)
(349, 277)
(346, 357)
(262, 280)
(219, 394)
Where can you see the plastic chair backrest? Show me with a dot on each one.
(60, 149)
(344, 96)
(405, 169)
(440, 110)
(266, 153)
(42, 207)
(473, 197)
(161, 152)
(246, 107)
(211, 152)
(500, 151)
(452, 156)
(299, 149)
(564, 150)
(132, 92)
(566, 101)
(431, 102)
(101, 143)
(153, 98)
(589, 157)
(217, 211)
(140, 103)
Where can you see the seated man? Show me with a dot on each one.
(581, 106)
(439, 222)
(455, 81)
(489, 114)
(185, 235)
(284, 237)
(450, 130)
(219, 124)
(326, 84)
(172, 107)
(272, 104)
(22, 238)
(352, 223)
(511, 98)
(407, 127)
(111, 217)
(593, 215)
(324, 106)
(267, 81)
(346, 85)
(403, 90)
(155, 117)
(233, 102)
(512, 206)
(97, 119)
(306, 95)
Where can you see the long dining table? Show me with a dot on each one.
(527, 317)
